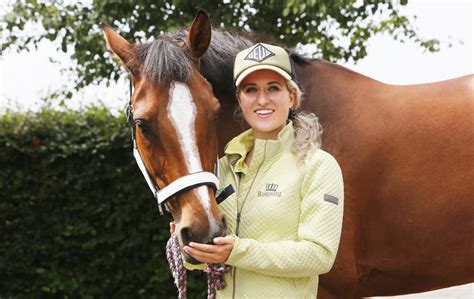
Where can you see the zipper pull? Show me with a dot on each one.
(237, 226)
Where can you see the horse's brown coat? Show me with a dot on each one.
(407, 155)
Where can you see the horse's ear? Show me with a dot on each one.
(123, 49)
(199, 36)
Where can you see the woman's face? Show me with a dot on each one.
(265, 101)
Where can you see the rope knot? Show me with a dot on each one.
(215, 278)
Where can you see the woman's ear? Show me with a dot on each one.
(293, 98)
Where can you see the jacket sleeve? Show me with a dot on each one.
(319, 230)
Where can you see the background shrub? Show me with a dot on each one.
(76, 216)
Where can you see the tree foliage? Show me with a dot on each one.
(339, 30)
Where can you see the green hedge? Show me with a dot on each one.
(77, 219)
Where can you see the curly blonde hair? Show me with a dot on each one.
(308, 130)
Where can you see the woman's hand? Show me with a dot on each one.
(206, 253)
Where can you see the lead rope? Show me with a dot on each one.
(215, 272)
(173, 254)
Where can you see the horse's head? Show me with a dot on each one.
(174, 112)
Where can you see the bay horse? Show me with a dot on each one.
(406, 152)
(172, 112)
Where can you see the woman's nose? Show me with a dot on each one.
(262, 99)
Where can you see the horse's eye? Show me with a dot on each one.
(143, 126)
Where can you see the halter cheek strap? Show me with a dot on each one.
(179, 185)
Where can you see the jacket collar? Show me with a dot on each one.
(237, 149)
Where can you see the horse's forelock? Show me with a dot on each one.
(165, 61)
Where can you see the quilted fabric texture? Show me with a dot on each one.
(291, 218)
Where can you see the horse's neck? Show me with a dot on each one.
(330, 88)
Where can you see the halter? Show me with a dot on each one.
(181, 184)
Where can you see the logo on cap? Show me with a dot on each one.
(259, 53)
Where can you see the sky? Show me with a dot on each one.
(27, 77)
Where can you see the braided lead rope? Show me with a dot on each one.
(215, 272)
(215, 278)
(173, 254)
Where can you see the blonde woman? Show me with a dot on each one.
(284, 220)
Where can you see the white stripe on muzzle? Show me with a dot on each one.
(182, 112)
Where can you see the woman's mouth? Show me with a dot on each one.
(264, 112)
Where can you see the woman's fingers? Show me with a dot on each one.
(206, 257)
(224, 240)
(220, 244)
(207, 253)
(204, 247)
(201, 256)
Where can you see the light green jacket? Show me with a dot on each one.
(291, 217)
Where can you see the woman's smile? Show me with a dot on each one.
(264, 113)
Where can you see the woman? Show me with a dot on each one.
(284, 220)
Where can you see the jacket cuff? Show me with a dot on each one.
(236, 250)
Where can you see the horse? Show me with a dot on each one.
(172, 112)
(406, 153)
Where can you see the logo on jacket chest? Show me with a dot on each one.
(271, 189)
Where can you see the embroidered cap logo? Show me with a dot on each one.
(259, 53)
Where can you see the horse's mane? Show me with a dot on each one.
(164, 60)
(218, 63)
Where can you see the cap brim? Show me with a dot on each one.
(254, 68)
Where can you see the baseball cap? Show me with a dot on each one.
(262, 56)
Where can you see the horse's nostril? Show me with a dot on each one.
(186, 235)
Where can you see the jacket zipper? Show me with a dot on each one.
(237, 224)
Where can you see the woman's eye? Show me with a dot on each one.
(250, 89)
(273, 88)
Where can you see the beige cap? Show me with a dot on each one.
(261, 56)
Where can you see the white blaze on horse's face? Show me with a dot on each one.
(182, 112)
